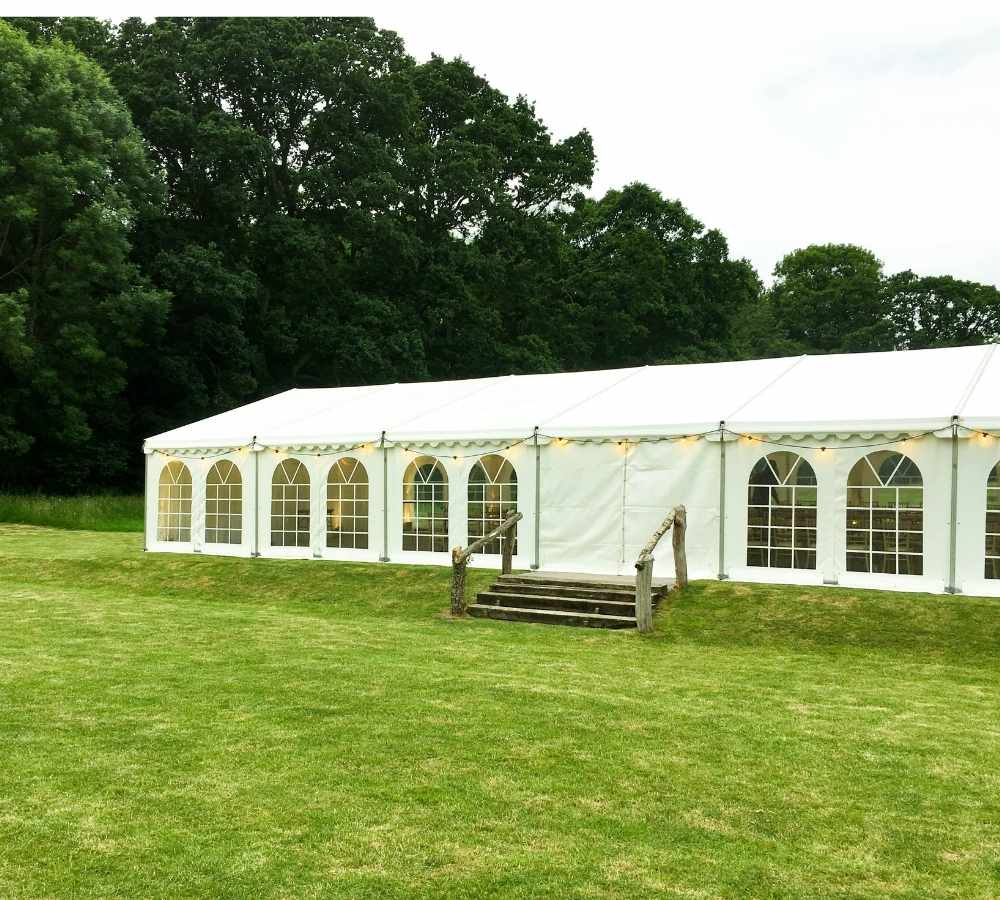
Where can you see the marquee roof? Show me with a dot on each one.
(849, 393)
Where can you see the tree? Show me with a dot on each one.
(941, 311)
(651, 282)
(73, 307)
(829, 299)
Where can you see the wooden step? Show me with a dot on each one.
(593, 583)
(547, 589)
(495, 597)
(550, 616)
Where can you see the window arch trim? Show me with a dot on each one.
(291, 504)
(991, 563)
(490, 497)
(425, 505)
(781, 512)
(885, 515)
(173, 513)
(224, 503)
(347, 505)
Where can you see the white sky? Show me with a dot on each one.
(782, 124)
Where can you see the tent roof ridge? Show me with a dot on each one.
(766, 387)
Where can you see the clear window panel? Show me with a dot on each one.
(781, 513)
(805, 496)
(857, 562)
(781, 559)
(805, 518)
(805, 559)
(859, 518)
(757, 556)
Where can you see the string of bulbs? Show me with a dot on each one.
(563, 441)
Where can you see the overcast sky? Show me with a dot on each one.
(874, 123)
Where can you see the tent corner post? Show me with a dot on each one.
(952, 587)
(722, 502)
(385, 500)
(255, 534)
(538, 500)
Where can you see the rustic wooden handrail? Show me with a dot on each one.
(460, 559)
(677, 520)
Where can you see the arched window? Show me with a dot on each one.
(425, 506)
(885, 519)
(223, 504)
(173, 518)
(993, 523)
(492, 497)
(781, 513)
(347, 505)
(290, 505)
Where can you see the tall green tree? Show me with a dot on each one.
(829, 298)
(941, 311)
(651, 282)
(73, 306)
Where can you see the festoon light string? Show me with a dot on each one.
(562, 441)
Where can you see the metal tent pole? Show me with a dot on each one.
(538, 500)
(385, 501)
(255, 537)
(722, 502)
(952, 587)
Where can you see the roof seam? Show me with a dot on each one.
(603, 390)
(977, 376)
(489, 382)
(765, 388)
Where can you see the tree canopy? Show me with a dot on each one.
(196, 212)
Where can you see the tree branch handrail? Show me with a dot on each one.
(676, 520)
(460, 559)
(460, 555)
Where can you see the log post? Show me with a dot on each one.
(507, 553)
(459, 562)
(460, 559)
(644, 595)
(680, 551)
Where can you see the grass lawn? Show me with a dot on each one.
(97, 512)
(186, 725)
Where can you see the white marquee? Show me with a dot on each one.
(835, 469)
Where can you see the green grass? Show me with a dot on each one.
(96, 512)
(186, 725)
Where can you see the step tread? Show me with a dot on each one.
(510, 595)
(584, 591)
(596, 584)
(555, 613)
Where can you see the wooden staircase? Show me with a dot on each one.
(554, 598)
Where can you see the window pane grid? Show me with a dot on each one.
(223, 504)
(290, 505)
(173, 518)
(492, 497)
(425, 506)
(781, 513)
(884, 517)
(992, 563)
(347, 505)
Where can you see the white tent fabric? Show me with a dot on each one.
(901, 390)
(610, 458)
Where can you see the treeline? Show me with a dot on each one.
(198, 212)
